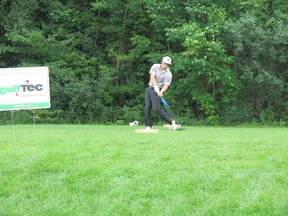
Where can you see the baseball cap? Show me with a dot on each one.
(167, 60)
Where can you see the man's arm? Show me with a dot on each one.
(156, 88)
(164, 88)
(154, 82)
(153, 78)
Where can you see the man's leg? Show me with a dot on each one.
(157, 108)
(148, 107)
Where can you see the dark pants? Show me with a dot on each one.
(152, 101)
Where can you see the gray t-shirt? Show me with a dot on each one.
(162, 77)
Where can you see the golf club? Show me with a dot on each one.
(167, 108)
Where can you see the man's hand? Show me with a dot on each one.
(164, 89)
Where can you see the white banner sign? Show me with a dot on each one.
(24, 88)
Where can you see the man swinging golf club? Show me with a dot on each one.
(160, 79)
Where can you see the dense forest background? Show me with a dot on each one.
(230, 58)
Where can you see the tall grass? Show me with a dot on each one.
(110, 170)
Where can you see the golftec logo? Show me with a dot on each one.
(17, 89)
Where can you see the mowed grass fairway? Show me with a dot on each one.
(110, 170)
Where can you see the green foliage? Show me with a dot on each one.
(208, 79)
(257, 61)
(50, 116)
(99, 53)
(235, 114)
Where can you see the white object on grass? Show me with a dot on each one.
(134, 123)
(146, 131)
(168, 125)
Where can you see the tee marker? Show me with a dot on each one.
(167, 125)
(146, 131)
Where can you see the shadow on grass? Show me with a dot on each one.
(180, 129)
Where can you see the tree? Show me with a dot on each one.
(260, 64)
(206, 81)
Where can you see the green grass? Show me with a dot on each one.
(110, 170)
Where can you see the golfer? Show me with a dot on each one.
(160, 79)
